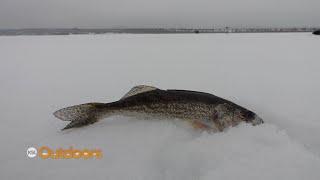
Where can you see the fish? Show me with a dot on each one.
(202, 110)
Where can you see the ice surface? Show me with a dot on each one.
(275, 75)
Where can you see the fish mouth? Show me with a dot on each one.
(257, 120)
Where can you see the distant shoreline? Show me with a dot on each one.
(67, 31)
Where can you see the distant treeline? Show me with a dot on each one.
(14, 32)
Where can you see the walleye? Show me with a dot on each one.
(204, 111)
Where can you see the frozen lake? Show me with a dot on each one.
(275, 75)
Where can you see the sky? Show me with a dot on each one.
(158, 13)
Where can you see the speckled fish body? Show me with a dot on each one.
(202, 110)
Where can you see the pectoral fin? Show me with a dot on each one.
(199, 125)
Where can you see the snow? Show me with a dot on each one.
(275, 75)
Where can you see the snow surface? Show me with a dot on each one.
(275, 75)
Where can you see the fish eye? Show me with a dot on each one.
(248, 115)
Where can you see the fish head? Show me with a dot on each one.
(247, 116)
(228, 115)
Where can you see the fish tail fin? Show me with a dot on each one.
(80, 115)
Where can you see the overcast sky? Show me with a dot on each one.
(158, 13)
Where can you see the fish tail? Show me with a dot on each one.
(80, 115)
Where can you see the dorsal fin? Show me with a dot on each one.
(138, 89)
